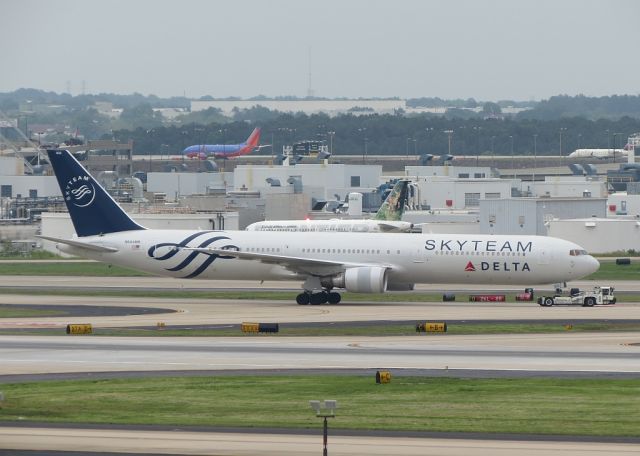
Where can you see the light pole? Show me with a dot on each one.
(325, 409)
(513, 161)
(561, 131)
(331, 135)
(493, 138)
(415, 147)
(406, 147)
(449, 134)
(363, 130)
(428, 132)
(535, 157)
(477, 130)
(364, 157)
(614, 146)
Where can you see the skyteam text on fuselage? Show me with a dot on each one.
(203, 151)
(361, 263)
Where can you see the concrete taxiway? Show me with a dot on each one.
(244, 444)
(231, 311)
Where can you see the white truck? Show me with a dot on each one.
(599, 295)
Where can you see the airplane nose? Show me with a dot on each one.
(591, 265)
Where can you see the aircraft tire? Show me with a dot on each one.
(318, 298)
(334, 298)
(303, 299)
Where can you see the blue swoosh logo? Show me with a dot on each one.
(176, 247)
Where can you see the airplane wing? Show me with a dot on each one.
(299, 265)
(79, 244)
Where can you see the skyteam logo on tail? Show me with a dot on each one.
(80, 191)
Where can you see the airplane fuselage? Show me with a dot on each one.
(409, 258)
(217, 150)
(598, 153)
(340, 226)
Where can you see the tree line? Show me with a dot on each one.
(397, 135)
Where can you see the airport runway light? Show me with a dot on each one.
(324, 409)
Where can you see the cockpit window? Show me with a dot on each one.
(578, 252)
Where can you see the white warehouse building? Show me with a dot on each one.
(530, 215)
(599, 235)
(568, 187)
(330, 107)
(320, 181)
(179, 184)
(459, 193)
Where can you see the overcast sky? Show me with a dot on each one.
(489, 50)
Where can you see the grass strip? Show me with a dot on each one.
(607, 271)
(528, 406)
(62, 268)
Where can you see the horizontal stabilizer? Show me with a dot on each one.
(79, 244)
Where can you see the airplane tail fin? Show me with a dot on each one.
(254, 138)
(394, 204)
(91, 208)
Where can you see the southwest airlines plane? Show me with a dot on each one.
(360, 263)
(203, 151)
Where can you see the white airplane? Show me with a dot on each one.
(386, 220)
(599, 153)
(372, 263)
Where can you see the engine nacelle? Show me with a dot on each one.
(400, 286)
(359, 280)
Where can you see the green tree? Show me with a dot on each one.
(140, 116)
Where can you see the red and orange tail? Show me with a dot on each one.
(254, 138)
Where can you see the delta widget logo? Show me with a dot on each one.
(80, 191)
(470, 267)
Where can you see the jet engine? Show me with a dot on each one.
(400, 286)
(366, 279)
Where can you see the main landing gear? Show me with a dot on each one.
(322, 297)
(309, 296)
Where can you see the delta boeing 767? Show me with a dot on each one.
(323, 262)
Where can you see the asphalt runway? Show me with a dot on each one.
(617, 352)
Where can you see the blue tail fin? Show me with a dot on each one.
(91, 208)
